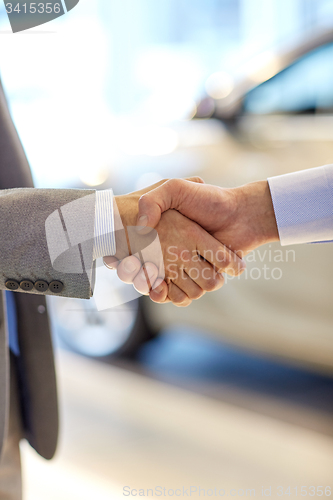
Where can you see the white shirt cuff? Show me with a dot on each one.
(104, 235)
(303, 205)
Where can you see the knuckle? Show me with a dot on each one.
(141, 286)
(142, 200)
(221, 280)
(240, 268)
(226, 261)
(176, 295)
(197, 294)
(197, 179)
(175, 184)
(184, 303)
(124, 277)
(211, 284)
(177, 299)
(234, 270)
(156, 298)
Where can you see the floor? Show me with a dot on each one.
(187, 419)
(194, 361)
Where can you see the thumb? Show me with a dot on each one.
(152, 205)
(171, 194)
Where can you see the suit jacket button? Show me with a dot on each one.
(12, 285)
(41, 286)
(26, 285)
(56, 286)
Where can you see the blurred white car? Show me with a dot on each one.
(277, 118)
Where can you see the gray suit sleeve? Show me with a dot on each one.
(48, 235)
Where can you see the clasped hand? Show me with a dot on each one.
(178, 260)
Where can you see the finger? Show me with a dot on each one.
(128, 268)
(147, 189)
(204, 275)
(219, 256)
(146, 278)
(196, 179)
(171, 194)
(111, 262)
(177, 296)
(188, 286)
(159, 292)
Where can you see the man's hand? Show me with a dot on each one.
(193, 260)
(242, 218)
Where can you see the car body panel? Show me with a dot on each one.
(292, 317)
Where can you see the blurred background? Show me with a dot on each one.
(235, 392)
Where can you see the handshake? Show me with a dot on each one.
(203, 231)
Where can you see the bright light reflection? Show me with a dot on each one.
(219, 85)
(263, 67)
(148, 140)
(147, 179)
(94, 176)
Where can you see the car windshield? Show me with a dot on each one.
(304, 87)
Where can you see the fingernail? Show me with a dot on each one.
(129, 267)
(109, 266)
(147, 274)
(150, 274)
(142, 222)
(159, 288)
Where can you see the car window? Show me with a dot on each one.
(304, 87)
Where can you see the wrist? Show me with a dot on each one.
(125, 215)
(127, 208)
(255, 200)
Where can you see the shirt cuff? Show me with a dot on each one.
(303, 205)
(104, 237)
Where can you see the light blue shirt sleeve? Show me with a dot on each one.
(303, 205)
(104, 235)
